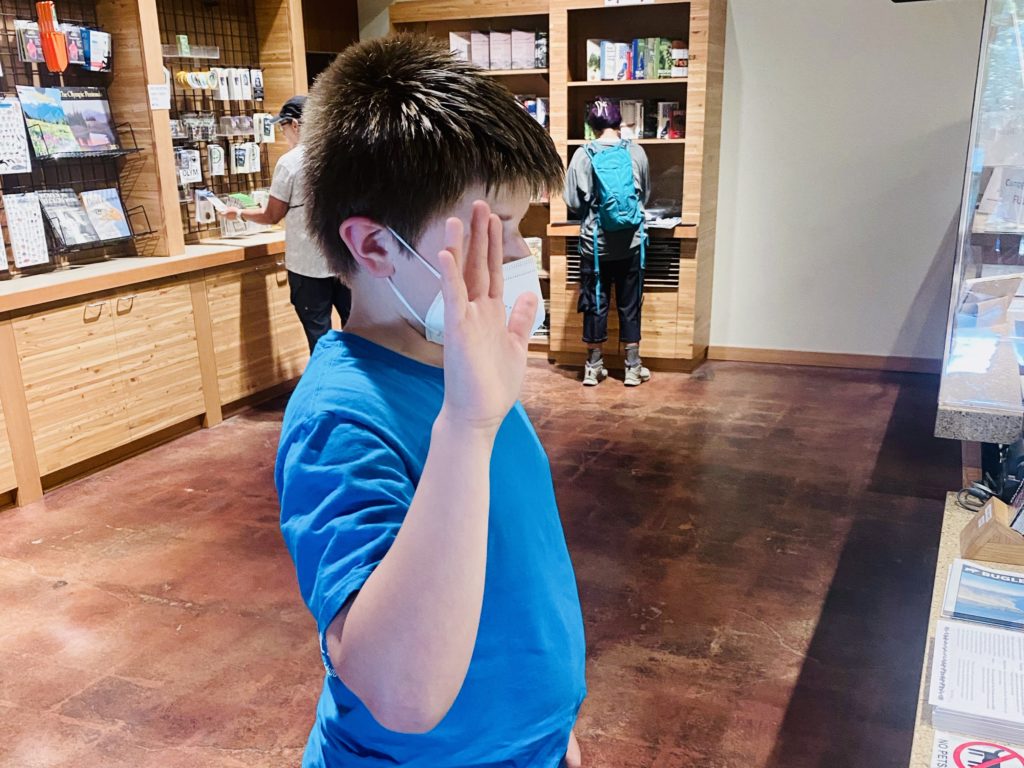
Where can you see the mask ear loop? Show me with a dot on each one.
(394, 288)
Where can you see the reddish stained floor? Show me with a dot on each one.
(754, 546)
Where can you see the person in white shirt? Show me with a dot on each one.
(315, 289)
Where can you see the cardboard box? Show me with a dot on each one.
(501, 50)
(593, 60)
(460, 44)
(523, 49)
(480, 49)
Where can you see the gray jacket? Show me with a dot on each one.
(579, 196)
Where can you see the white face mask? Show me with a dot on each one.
(520, 277)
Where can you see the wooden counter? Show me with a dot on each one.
(102, 359)
(953, 521)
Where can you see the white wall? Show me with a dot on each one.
(845, 136)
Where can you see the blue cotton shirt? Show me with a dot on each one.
(354, 441)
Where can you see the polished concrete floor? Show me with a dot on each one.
(754, 547)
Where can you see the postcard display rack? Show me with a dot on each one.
(67, 154)
(220, 126)
(511, 42)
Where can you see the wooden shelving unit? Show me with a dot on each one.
(438, 19)
(677, 308)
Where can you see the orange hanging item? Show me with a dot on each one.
(55, 44)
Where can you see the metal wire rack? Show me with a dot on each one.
(79, 171)
(221, 33)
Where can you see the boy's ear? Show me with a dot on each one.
(371, 244)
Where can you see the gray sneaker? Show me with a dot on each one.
(637, 375)
(594, 374)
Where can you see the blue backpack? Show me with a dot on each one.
(616, 197)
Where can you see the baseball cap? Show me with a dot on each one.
(292, 109)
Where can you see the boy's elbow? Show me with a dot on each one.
(407, 714)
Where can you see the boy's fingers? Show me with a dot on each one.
(453, 287)
(476, 255)
(520, 322)
(495, 257)
(453, 232)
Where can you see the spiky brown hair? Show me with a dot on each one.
(397, 129)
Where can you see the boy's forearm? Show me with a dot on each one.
(409, 635)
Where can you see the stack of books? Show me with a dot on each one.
(502, 50)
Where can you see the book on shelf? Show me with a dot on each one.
(88, 114)
(524, 44)
(46, 121)
(677, 124)
(623, 61)
(680, 59)
(540, 50)
(30, 42)
(14, 154)
(98, 50)
(975, 592)
(26, 229)
(480, 49)
(664, 58)
(976, 680)
(69, 222)
(75, 43)
(106, 212)
(665, 111)
(501, 50)
(594, 61)
(609, 60)
(632, 111)
(460, 44)
(639, 63)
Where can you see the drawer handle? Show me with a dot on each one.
(279, 263)
(129, 299)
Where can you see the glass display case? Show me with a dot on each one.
(980, 398)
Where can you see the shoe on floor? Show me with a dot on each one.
(637, 375)
(594, 374)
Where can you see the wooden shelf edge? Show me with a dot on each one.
(682, 232)
(431, 10)
(514, 72)
(620, 83)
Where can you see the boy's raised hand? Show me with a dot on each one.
(484, 356)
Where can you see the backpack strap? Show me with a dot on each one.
(597, 271)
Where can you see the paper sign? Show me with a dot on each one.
(159, 96)
(1010, 211)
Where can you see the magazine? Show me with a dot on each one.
(67, 218)
(975, 592)
(14, 154)
(47, 124)
(97, 50)
(26, 230)
(75, 44)
(30, 43)
(88, 113)
(107, 213)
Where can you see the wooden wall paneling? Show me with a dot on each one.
(18, 432)
(696, 108)
(333, 26)
(159, 356)
(207, 352)
(8, 480)
(433, 10)
(558, 116)
(710, 170)
(291, 350)
(149, 178)
(72, 381)
(282, 57)
(243, 320)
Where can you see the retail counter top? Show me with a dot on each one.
(60, 285)
(953, 522)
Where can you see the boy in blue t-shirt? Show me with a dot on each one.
(416, 499)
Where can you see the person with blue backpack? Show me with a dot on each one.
(607, 185)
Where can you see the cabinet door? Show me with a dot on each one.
(290, 345)
(7, 479)
(156, 345)
(243, 329)
(73, 383)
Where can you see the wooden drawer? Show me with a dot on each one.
(243, 312)
(73, 382)
(8, 481)
(290, 345)
(159, 357)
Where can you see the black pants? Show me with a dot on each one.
(627, 278)
(313, 298)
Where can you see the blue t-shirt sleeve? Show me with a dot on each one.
(344, 493)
